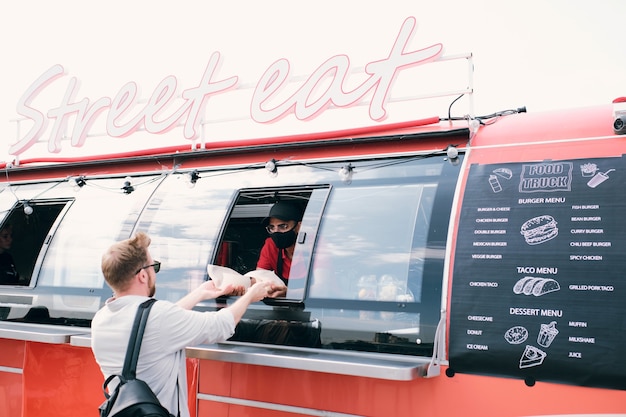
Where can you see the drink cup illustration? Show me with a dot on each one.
(495, 184)
(599, 178)
(547, 333)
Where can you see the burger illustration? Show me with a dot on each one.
(539, 229)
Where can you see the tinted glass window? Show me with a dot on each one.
(61, 242)
(376, 277)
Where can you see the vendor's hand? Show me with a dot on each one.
(277, 291)
(273, 289)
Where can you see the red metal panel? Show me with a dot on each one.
(215, 377)
(436, 397)
(65, 381)
(60, 380)
(242, 411)
(211, 409)
(11, 383)
(10, 393)
(12, 353)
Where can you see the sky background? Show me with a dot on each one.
(542, 54)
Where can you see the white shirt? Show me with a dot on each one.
(169, 330)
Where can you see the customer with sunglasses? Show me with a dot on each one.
(130, 271)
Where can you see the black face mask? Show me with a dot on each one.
(285, 239)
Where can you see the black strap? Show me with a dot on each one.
(134, 343)
(279, 264)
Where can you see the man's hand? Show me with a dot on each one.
(210, 291)
(273, 290)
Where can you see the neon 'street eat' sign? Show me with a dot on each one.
(156, 117)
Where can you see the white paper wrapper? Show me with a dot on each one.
(222, 276)
(263, 275)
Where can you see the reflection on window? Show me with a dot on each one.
(184, 223)
(372, 243)
(97, 218)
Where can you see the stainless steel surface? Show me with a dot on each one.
(381, 366)
(82, 340)
(401, 368)
(38, 332)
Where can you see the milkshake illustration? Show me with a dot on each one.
(547, 333)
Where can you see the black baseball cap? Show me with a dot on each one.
(284, 210)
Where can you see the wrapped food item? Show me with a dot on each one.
(223, 276)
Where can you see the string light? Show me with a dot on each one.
(474, 124)
(28, 210)
(272, 168)
(78, 182)
(345, 173)
(453, 154)
(128, 187)
(192, 178)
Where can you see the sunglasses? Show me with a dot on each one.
(156, 265)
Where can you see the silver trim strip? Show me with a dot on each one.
(273, 406)
(38, 332)
(11, 370)
(82, 340)
(372, 365)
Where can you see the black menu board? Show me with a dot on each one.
(540, 262)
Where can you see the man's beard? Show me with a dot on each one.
(151, 289)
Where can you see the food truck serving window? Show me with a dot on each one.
(371, 254)
(367, 267)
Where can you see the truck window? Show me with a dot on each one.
(371, 249)
(24, 233)
(58, 246)
(377, 267)
(245, 234)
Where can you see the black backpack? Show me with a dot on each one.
(132, 397)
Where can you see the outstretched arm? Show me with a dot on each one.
(206, 291)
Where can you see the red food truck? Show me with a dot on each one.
(449, 267)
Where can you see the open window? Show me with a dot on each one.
(28, 225)
(245, 233)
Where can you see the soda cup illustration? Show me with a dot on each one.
(547, 333)
(495, 184)
(599, 178)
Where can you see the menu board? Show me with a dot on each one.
(540, 262)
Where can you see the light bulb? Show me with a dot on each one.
(192, 178)
(474, 124)
(345, 173)
(77, 182)
(28, 210)
(128, 187)
(452, 152)
(272, 168)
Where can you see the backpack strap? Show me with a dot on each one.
(134, 343)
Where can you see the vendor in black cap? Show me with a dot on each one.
(282, 223)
